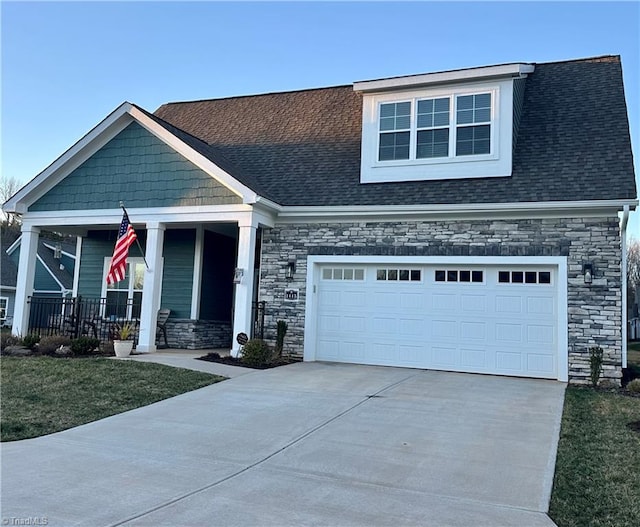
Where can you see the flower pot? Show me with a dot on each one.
(122, 347)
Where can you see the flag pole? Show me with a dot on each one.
(137, 241)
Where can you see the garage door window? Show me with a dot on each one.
(524, 277)
(342, 273)
(459, 275)
(402, 275)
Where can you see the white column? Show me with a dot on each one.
(26, 275)
(197, 273)
(244, 290)
(151, 289)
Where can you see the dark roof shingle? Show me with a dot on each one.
(303, 147)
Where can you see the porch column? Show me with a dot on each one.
(244, 290)
(151, 288)
(24, 282)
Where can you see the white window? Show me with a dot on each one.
(438, 132)
(430, 128)
(342, 273)
(124, 298)
(4, 304)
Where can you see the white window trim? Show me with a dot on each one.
(495, 164)
(6, 307)
(452, 126)
(103, 294)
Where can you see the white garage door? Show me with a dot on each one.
(482, 319)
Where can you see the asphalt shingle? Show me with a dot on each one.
(303, 147)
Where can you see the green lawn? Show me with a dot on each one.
(42, 395)
(597, 480)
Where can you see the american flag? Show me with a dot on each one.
(126, 236)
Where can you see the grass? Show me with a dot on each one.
(597, 479)
(42, 395)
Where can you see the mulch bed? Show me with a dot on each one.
(232, 361)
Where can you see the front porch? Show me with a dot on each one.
(100, 318)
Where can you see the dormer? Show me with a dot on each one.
(448, 125)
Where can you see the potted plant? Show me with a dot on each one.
(123, 345)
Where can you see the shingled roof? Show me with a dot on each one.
(303, 147)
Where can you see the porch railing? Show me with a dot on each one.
(100, 317)
(75, 317)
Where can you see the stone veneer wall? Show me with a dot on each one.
(183, 333)
(594, 311)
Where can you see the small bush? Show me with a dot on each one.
(10, 340)
(84, 345)
(595, 361)
(256, 353)
(50, 344)
(634, 386)
(30, 341)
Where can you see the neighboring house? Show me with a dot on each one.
(53, 278)
(467, 220)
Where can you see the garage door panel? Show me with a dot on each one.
(539, 363)
(475, 359)
(483, 327)
(446, 329)
(508, 304)
(474, 330)
(539, 334)
(509, 332)
(354, 298)
(474, 303)
(444, 357)
(412, 327)
(509, 361)
(445, 302)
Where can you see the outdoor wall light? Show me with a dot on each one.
(291, 269)
(587, 271)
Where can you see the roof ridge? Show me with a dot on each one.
(255, 95)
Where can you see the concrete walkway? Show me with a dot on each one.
(305, 444)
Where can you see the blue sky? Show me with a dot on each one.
(66, 66)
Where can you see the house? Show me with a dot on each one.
(54, 268)
(469, 220)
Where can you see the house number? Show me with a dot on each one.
(291, 295)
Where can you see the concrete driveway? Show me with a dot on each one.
(306, 444)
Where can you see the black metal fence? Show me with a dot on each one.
(75, 317)
(100, 317)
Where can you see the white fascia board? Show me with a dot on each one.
(52, 247)
(14, 245)
(238, 213)
(226, 179)
(100, 135)
(444, 77)
(481, 210)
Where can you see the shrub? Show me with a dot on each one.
(281, 332)
(595, 361)
(634, 386)
(50, 344)
(9, 340)
(84, 345)
(256, 353)
(30, 341)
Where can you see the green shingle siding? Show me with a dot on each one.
(137, 167)
(177, 278)
(43, 280)
(95, 247)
